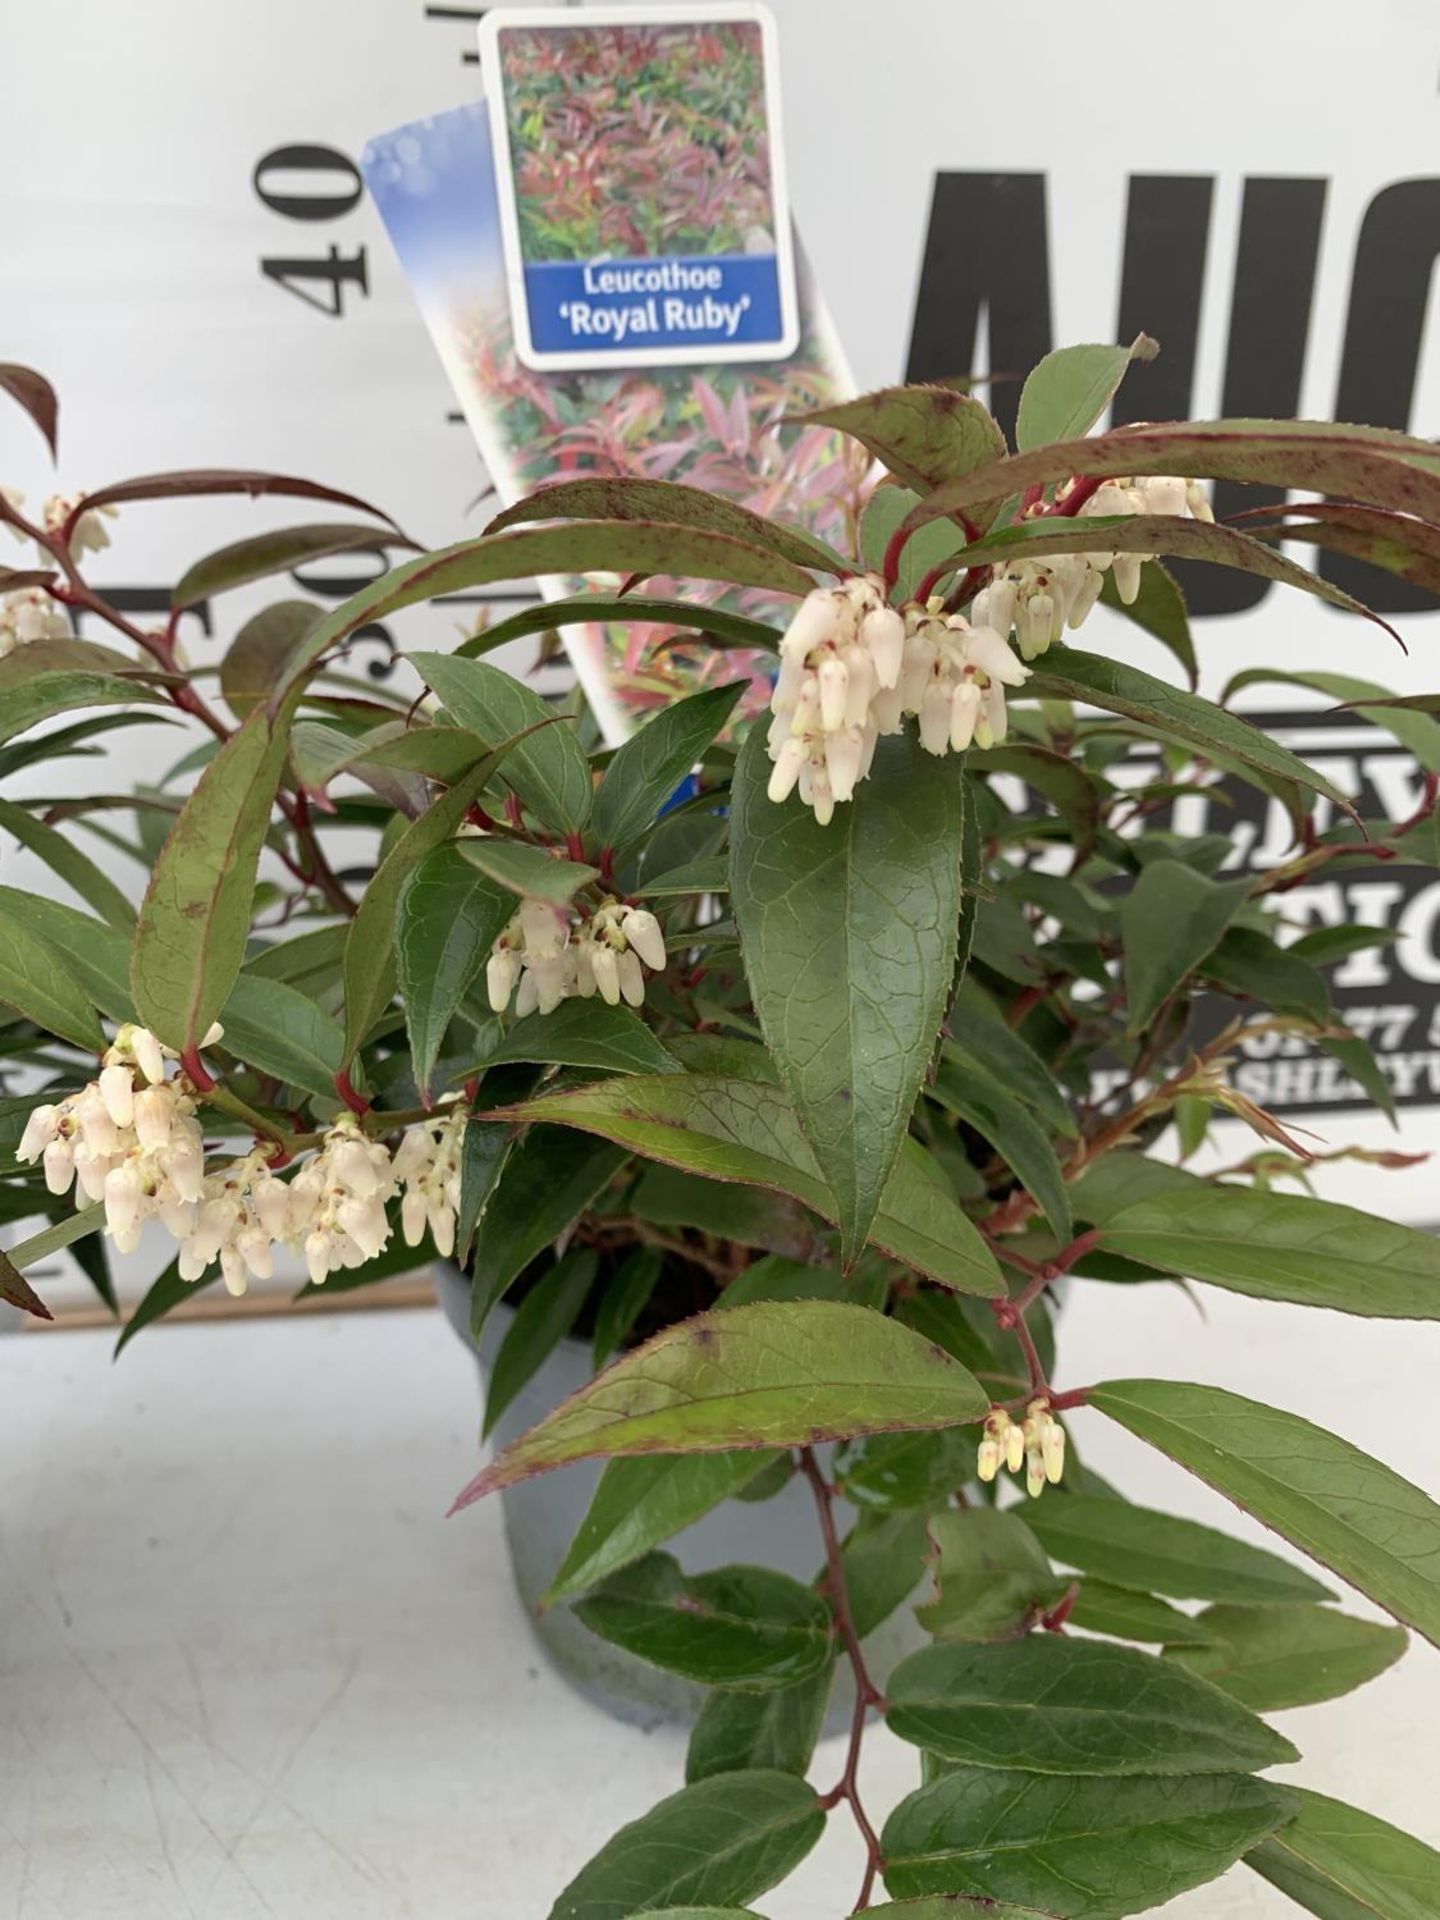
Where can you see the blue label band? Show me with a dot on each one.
(719, 300)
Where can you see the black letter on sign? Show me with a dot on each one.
(1167, 228)
(1394, 255)
(986, 249)
(1270, 309)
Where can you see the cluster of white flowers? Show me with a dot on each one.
(852, 668)
(1037, 1443)
(89, 534)
(1038, 599)
(131, 1139)
(545, 956)
(27, 615)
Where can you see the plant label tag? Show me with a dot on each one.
(641, 178)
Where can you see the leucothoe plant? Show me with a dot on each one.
(793, 1060)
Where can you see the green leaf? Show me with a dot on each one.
(64, 1233)
(36, 699)
(992, 1582)
(621, 497)
(585, 1033)
(650, 765)
(280, 550)
(1330, 1499)
(735, 1731)
(849, 939)
(1068, 674)
(525, 870)
(483, 1156)
(548, 769)
(883, 511)
(987, 1106)
(1070, 389)
(75, 868)
(634, 547)
(886, 1470)
(1159, 610)
(1417, 731)
(1280, 1246)
(776, 1278)
(956, 1906)
(728, 629)
(1343, 1864)
(1046, 1705)
(37, 983)
(1083, 1849)
(746, 1131)
(1275, 1657)
(542, 1320)
(747, 1215)
(195, 919)
(1170, 919)
(884, 1561)
(16, 1289)
(639, 1504)
(696, 876)
(1247, 962)
(624, 1299)
(370, 968)
(282, 1031)
(1101, 1608)
(924, 434)
(1152, 1552)
(546, 1184)
(722, 1840)
(979, 1038)
(448, 918)
(745, 1627)
(780, 1373)
(260, 652)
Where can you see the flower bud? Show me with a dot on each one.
(148, 1054)
(40, 1131)
(644, 933)
(117, 1090)
(632, 980)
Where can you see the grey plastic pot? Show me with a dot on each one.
(542, 1515)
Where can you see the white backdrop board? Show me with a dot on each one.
(189, 256)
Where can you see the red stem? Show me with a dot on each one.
(356, 1102)
(1084, 489)
(195, 1070)
(866, 1693)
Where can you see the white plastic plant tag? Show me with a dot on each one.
(641, 177)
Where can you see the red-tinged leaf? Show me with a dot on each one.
(1154, 533)
(519, 553)
(35, 394)
(622, 498)
(775, 1373)
(258, 653)
(1364, 463)
(1396, 542)
(15, 1288)
(245, 561)
(713, 623)
(196, 482)
(195, 919)
(925, 435)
